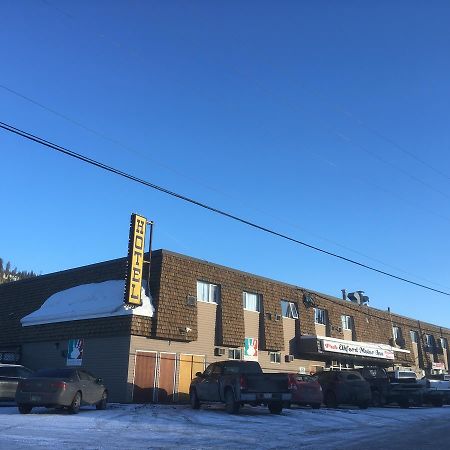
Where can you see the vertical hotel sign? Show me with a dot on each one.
(135, 261)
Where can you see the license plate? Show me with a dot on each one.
(35, 398)
(267, 395)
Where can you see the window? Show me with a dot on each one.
(444, 343)
(414, 336)
(252, 302)
(275, 357)
(208, 292)
(347, 322)
(397, 331)
(320, 316)
(429, 338)
(289, 309)
(234, 353)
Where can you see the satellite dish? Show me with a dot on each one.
(358, 297)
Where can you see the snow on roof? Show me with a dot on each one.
(87, 301)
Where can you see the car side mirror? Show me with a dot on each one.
(199, 374)
(99, 380)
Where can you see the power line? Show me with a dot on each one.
(267, 214)
(123, 174)
(294, 106)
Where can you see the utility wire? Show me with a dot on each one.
(123, 174)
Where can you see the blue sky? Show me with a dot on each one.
(327, 121)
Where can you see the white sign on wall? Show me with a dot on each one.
(75, 352)
(251, 349)
(438, 366)
(359, 349)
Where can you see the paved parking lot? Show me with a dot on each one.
(177, 426)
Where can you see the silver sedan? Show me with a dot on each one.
(67, 388)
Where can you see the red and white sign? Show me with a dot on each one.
(357, 348)
(438, 366)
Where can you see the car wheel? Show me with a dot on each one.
(231, 405)
(404, 404)
(24, 409)
(275, 407)
(103, 402)
(438, 403)
(330, 400)
(193, 397)
(76, 403)
(315, 405)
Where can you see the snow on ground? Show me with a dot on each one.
(87, 301)
(177, 426)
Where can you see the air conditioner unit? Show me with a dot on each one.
(269, 316)
(219, 351)
(289, 358)
(277, 316)
(191, 300)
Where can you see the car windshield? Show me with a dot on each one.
(245, 368)
(406, 375)
(350, 376)
(67, 374)
(306, 378)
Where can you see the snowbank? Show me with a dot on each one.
(87, 301)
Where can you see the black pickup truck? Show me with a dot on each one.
(236, 383)
(398, 387)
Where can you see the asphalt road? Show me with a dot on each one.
(426, 434)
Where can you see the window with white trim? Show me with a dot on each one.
(234, 353)
(252, 301)
(444, 343)
(414, 336)
(289, 309)
(208, 292)
(347, 322)
(320, 316)
(275, 357)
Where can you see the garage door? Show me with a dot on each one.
(144, 377)
(188, 366)
(166, 378)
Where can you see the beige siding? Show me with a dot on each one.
(321, 330)
(289, 335)
(348, 335)
(106, 358)
(251, 324)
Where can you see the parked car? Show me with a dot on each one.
(436, 390)
(344, 387)
(10, 375)
(306, 390)
(439, 382)
(67, 388)
(392, 387)
(236, 383)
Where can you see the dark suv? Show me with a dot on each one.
(344, 387)
(10, 375)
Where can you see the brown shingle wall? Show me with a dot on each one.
(20, 298)
(180, 274)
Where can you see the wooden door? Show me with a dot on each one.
(144, 377)
(188, 366)
(166, 377)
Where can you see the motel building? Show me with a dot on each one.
(196, 313)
